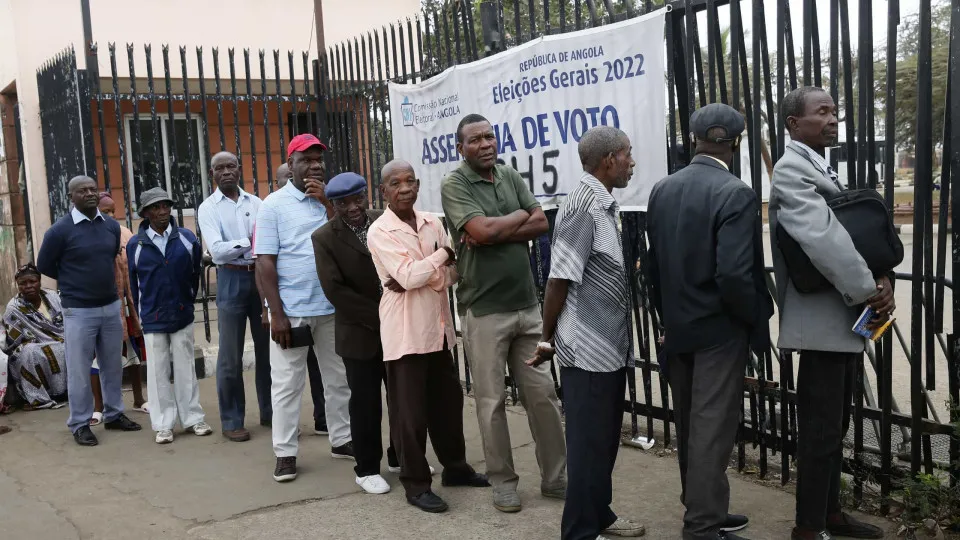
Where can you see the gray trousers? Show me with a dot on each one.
(89, 332)
(707, 390)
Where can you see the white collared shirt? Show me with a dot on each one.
(819, 162)
(78, 216)
(160, 240)
(725, 166)
(227, 226)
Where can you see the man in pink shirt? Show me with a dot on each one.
(413, 258)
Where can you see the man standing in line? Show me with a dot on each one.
(587, 323)
(282, 176)
(712, 311)
(492, 217)
(818, 324)
(79, 251)
(164, 268)
(226, 221)
(416, 267)
(288, 275)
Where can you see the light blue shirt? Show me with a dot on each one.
(286, 220)
(160, 240)
(227, 227)
(78, 216)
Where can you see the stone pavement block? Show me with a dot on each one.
(207, 488)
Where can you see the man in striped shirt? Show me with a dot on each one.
(586, 324)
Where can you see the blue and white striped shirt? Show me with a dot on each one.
(285, 222)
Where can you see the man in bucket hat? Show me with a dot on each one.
(164, 264)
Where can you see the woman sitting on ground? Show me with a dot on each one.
(33, 322)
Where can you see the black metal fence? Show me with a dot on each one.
(161, 131)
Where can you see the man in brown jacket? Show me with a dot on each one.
(349, 280)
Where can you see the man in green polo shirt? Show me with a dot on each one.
(492, 217)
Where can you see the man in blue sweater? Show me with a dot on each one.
(164, 263)
(79, 251)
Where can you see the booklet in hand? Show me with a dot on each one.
(861, 326)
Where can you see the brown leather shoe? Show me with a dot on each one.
(237, 435)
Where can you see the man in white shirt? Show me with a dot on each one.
(226, 222)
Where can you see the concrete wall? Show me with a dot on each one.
(33, 31)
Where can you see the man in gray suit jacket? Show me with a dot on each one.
(712, 309)
(818, 325)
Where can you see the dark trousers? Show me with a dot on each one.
(425, 396)
(316, 390)
(238, 303)
(366, 377)
(593, 405)
(707, 390)
(824, 397)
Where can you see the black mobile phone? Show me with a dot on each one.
(301, 336)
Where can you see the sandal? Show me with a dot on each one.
(97, 419)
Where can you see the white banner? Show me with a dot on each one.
(541, 97)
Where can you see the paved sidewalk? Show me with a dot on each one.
(130, 488)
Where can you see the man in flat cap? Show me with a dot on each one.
(706, 267)
(351, 283)
(298, 306)
(164, 265)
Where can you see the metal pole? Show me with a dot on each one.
(92, 68)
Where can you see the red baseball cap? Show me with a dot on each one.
(302, 142)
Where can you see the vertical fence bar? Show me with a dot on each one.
(204, 148)
(563, 16)
(344, 142)
(154, 120)
(456, 38)
(176, 182)
(922, 170)
(835, 64)
(532, 14)
(251, 124)
(370, 113)
(279, 89)
(219, 97)
(96, 93)
(121, 140)
(807, 49)
(135, 131)
(848, 94)
(788, 44)
(953, 358)
(711, 55)
(815, 46)
(231, 56)
(380, 77)
(294, 101)
(309, 102)
(195, 187)
(266, 120)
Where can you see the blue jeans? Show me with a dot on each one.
(237, 303)
(90, 332)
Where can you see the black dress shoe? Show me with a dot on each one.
(428, 501)
(803, 534)
(734, 522)
(473, 480)
(847, 525)
(85, 437)
(122, 423)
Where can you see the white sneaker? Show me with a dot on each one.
(625, 527)
(396, 470)
(164, 437)
(201, 429)
(374, 484)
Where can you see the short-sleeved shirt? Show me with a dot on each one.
(496, 278)
(593, 332)
(285, 222)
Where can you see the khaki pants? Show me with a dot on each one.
(492, 342)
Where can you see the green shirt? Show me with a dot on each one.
(495, 278)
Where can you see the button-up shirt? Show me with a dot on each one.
(160, 240)
(285, 222)
(819, 162)
(227, 227)
(78, 216)
(593, 332)
(418, 320)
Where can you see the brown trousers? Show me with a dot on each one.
(425, 396)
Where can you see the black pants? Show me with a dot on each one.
(593, 406)
(425, 396)
(316, 390)
(365, 378)
(824, 397)
(707, 390)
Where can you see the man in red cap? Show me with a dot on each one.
(301, 316)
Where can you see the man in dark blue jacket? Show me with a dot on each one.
(164, 262)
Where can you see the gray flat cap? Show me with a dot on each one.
(717, 115)
(153, 196)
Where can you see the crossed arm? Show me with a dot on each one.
(519, 226)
